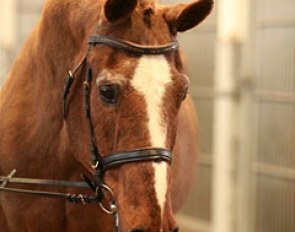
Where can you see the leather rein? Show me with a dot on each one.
(100, 163)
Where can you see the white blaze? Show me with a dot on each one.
(151, 78)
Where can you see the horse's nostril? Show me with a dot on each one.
(138, 230)
(175, 230)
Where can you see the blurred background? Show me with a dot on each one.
(242, 67)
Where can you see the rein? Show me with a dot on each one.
(100, 163)
(69, 197)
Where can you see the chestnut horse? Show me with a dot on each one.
(137, 103)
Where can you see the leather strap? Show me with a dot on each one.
(69, 197)
(133, 47)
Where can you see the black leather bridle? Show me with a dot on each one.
(100, 163)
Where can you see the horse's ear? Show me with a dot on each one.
(183, 17)
(119, 10)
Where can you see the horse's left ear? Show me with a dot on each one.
(183, 17)
(119, 10)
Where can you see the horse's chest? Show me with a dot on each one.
(35, 214)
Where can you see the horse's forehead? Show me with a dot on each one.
(146, 25)
(152, 71)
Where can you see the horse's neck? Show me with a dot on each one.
(30, 101)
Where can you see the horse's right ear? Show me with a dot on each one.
(119, 10)
(183, 17)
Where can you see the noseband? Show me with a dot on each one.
(100, 163)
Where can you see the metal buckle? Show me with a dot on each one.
(96, 165)
(6, 180)
(86, 84)
(82, 199)
(71, 74)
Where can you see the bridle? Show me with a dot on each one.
(100, 163)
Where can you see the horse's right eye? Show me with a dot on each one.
(183, 94)
(109, 93)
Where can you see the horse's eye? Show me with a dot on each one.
(183, 94)
(109, 93)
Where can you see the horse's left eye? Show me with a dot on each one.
(109, 93)
(183, 94)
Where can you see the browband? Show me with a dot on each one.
(133, 47)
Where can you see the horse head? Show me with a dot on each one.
(135, 98)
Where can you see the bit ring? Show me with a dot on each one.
(112, 209)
